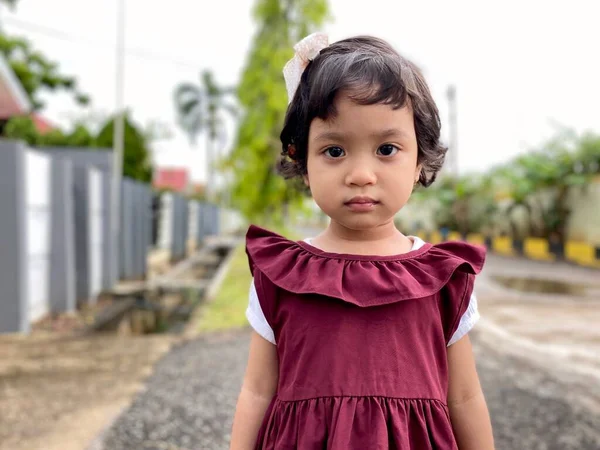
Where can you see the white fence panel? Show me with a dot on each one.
(193, 221)
(96, 242)
(38, 216)
(231, 222)
(165, 224)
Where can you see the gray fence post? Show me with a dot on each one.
(62, 238)
(147, 227)
(139, 231)
(200, 224)
(81, 200)
(108, 260)
(14, 314)
(126, 235)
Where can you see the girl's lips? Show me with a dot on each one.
(361, 199)
(361, 204)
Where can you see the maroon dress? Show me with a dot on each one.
(361, 342)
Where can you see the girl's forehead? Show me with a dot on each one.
(355, 120)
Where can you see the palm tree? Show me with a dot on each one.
(198, 109)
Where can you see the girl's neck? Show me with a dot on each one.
(382, 241)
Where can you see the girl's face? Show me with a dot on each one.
(362, 164)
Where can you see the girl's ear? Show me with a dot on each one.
(418, 173)
(305, 178)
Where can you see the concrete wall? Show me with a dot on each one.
(136, 229)
(101, 159)
(55, 226)
(584, 223)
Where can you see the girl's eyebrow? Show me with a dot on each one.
(329, 136)
(380, 134)
(387, 133)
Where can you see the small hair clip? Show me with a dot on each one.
(306, 50)
(291, 151)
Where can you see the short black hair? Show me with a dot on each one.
(372, 72)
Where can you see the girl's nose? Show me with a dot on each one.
(361, 174)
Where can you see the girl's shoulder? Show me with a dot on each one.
(364, 280)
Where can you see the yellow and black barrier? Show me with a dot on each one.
(541, 249)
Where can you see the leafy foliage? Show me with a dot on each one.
(36, 72)
(136, 162)
(538, 183)
(257, 190)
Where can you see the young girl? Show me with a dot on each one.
(360, 334)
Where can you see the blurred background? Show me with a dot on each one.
(138, 141)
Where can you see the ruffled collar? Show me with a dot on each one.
(362, 280)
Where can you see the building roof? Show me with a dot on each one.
(174, 178)
(13, 98)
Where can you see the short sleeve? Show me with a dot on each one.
(467, 321)
(256, 316)
(454, 300)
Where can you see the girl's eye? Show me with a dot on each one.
(335, 152)
(387, 150)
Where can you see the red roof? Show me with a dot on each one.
(43, 125)
(173, 178)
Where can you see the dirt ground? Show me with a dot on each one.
(59, 392)
(59, 389)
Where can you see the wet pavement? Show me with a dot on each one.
(538, 360)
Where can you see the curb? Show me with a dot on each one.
(578, 253)
(191, 330)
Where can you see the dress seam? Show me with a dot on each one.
(388, 397)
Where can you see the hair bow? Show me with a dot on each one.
(306, 50)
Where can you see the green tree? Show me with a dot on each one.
(257, 191)
(465, 204)
(136, 156)
(540, 182)
(199, 109)
(36, 72)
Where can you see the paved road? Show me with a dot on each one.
(191, 397)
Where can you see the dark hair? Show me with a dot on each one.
(372, 72)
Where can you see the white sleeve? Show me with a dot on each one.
(467, 321)
(256, 317)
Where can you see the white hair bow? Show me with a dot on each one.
(306, 50)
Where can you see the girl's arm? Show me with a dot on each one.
(258, 389)
(468, 409)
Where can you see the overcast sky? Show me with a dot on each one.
(518, 65)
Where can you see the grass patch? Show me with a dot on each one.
(228, 309)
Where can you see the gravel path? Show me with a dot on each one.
(190, 399)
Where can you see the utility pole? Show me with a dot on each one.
(118, 140)
(453, 132)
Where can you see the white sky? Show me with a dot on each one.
(518, 65)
